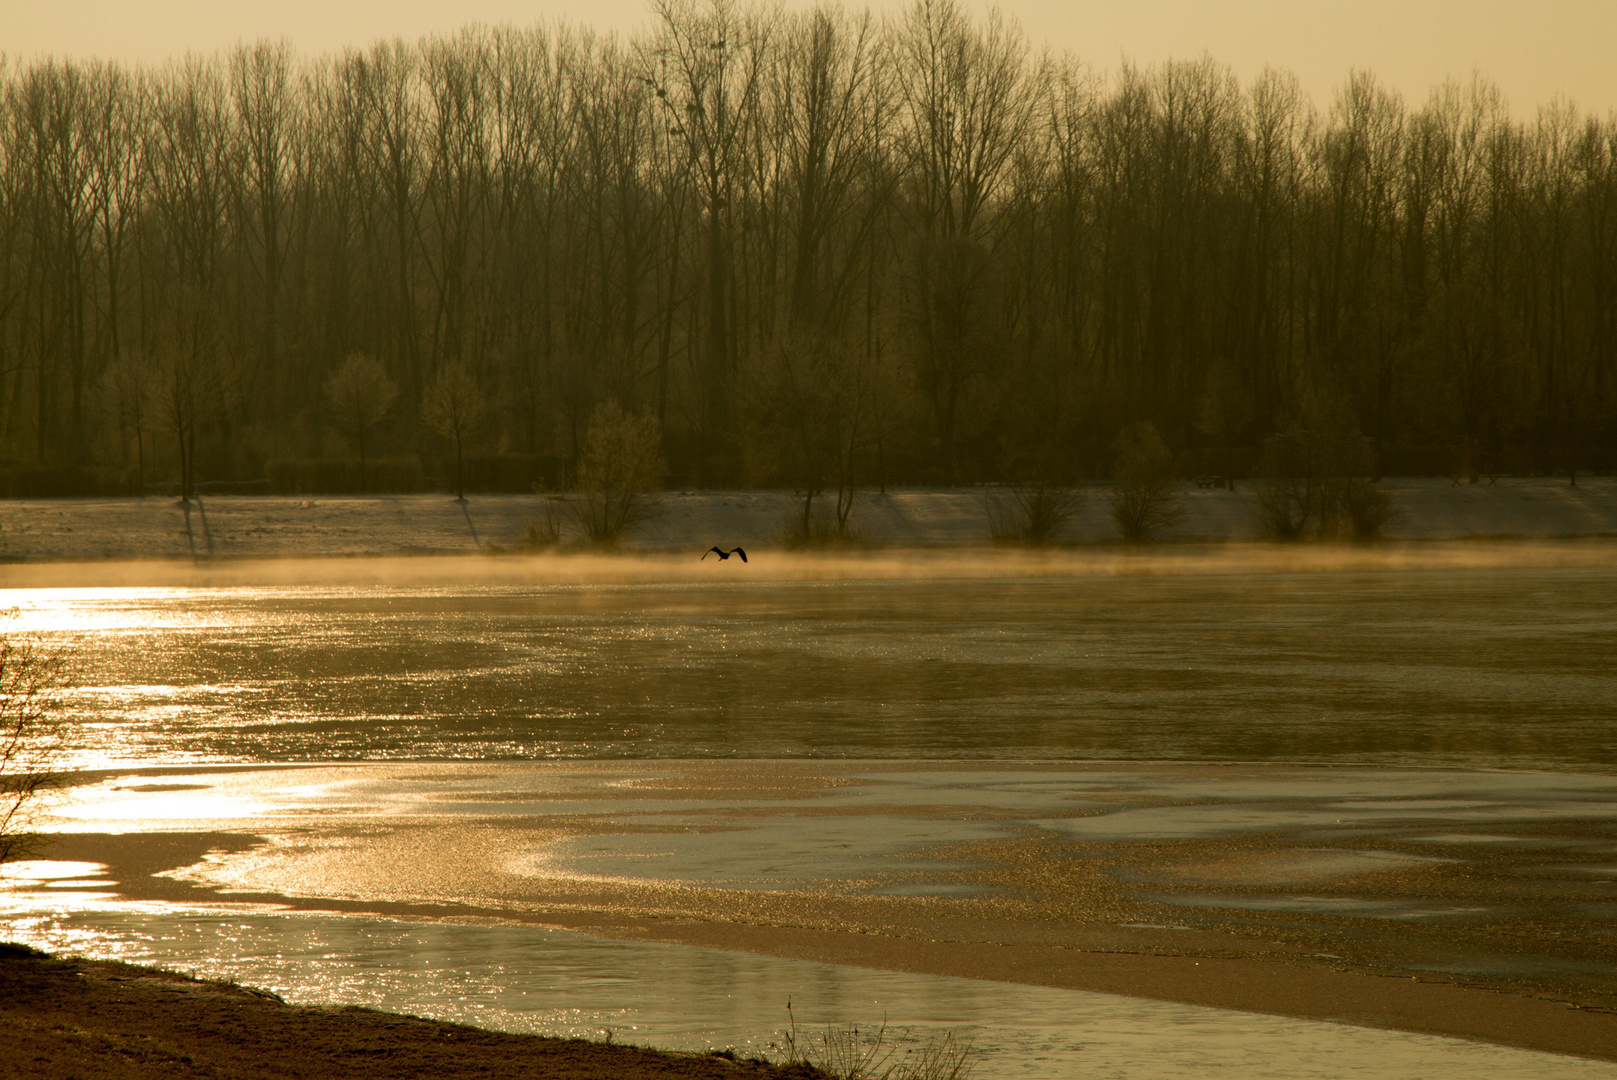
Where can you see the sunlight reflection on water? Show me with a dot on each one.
(1455, 668)
(1459, 670)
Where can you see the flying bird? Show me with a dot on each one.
(722, 554)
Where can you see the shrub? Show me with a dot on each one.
(1369, 509)
(1285, 507)
(1142, 500)
(546, 531)
(1029, 513)
(1313, 486)
(30, 736)
(621, 464)
(846, 1053)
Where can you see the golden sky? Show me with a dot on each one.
(1534, 49)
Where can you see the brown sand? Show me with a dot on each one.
(79, 1018)
(1304, 991)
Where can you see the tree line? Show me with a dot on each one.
(817, 248)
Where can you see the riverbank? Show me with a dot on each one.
(1372, 921)
(270, 527)
(76, 1017)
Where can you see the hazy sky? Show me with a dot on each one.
(1534, 49)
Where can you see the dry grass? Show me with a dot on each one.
(847, 1053)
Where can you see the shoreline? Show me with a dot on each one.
(774, 565)
(1112, 949)
(1299, 991)
(237, 527)
(75, 1017)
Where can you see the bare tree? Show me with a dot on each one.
(1052, 253)
(817, 407)
(130, 386)
(360, 396)
(455, 408)
(193, 385)
(956, 340)
(966, 99)
(708, 61)
(264, 113)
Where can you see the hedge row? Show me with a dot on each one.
(62, 481)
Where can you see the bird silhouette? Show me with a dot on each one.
(722, 554)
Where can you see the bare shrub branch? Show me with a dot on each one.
(621, 464)
(1143, 501)
(1029, 513)
(30, 737)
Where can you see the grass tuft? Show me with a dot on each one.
(847, 1053)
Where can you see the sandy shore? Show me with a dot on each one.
(1206, 970)
(1060, 921)
(81, 1018)
(262, 527)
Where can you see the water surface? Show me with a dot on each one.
(1499, 668)
(1404, 770)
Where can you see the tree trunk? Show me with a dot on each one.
(460, 488)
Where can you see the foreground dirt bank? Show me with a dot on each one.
(81, 1018)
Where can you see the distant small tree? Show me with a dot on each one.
(622, 462)
(455, 408)
(1142, 498)
(30, 736)
(1313, 484)
(816, 406)
(127, 390)
(360, 396)
(1314, 478)
(193, 385)
(956, 342)
(1221, 412)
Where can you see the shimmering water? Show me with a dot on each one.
(1457, 672)
(1503, 668)
(679, 997)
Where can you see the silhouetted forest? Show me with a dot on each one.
(818, 248)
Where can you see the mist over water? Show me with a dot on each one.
(1497, 667)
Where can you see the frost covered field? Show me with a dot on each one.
(275, 526)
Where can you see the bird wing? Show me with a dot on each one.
(741, 553)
